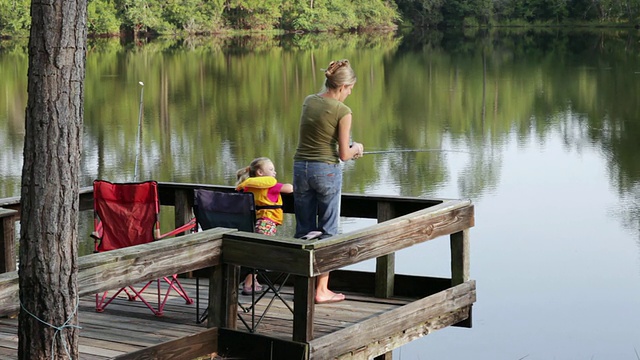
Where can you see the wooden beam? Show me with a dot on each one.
(182, 207)
(188, 347)
(86, 199)
(459, 243)
(7, 240)
(365, 206)
(242, 345)
(393, 235)
(12, 203)
(386, 356)
(113, 269)
(216, 316)
(396, 340)
(294, 256)
(276, 253)
(223, 296)
(304, 290)
(9, 295)
(406, 286)
(377, 329)
(385, 265)
(352, 205)
(460, 254)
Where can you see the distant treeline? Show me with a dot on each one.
(115, 17)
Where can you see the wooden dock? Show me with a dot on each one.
(383, 310)
(127, 327)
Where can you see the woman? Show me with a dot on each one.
(324, 141)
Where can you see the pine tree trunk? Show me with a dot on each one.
(53, 141)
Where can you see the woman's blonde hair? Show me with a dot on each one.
(338, 73)
(251, 170)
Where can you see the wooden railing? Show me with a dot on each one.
(109, 270)
(8, 219)
(403, 222)
(307, 259)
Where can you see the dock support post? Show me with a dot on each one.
(304, 289)
(460, 252)
(223, 296)
(216, 304)
(385, 265)
(7, 240)
(459, 257)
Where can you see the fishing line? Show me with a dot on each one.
(409, 150)
(138, 142)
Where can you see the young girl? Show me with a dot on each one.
(260, 179)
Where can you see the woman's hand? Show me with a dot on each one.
(357, 150)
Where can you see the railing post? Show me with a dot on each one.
(183, 204)
(223, 296)
(460, 265)
(303, 307)
(7, 240)
(459, 257)
(385, 265)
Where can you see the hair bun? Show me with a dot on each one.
(335, 65)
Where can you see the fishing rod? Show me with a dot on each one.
(138, 143)
(409, 150)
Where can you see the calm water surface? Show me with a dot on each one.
(540, 130)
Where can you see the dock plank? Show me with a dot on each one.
(127, 327)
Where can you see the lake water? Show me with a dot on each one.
(539, 129)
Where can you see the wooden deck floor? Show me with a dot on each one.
(129, 326)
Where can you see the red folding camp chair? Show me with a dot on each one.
(126, 214)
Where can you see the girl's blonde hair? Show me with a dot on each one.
(338, 73)
(251, 170)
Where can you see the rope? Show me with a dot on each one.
(59, 329)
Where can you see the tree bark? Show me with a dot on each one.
(50, 175)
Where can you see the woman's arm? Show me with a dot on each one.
(345, 151)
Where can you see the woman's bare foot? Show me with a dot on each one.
(329, 297)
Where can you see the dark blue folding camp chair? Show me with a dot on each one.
(236, 210)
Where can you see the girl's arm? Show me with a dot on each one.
(286, 188)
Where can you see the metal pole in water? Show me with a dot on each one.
(138, 142)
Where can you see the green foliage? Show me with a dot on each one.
(206, 16)
(213, 16)
(317, 19)
(15, 19)
(467, 12)
(339, 15)
(193, 16)
(505, 12)
(253, 14)
(141, 15)
(421, 13)
(101, 17)
(375, 14)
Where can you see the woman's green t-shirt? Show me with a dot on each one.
(319, 129)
